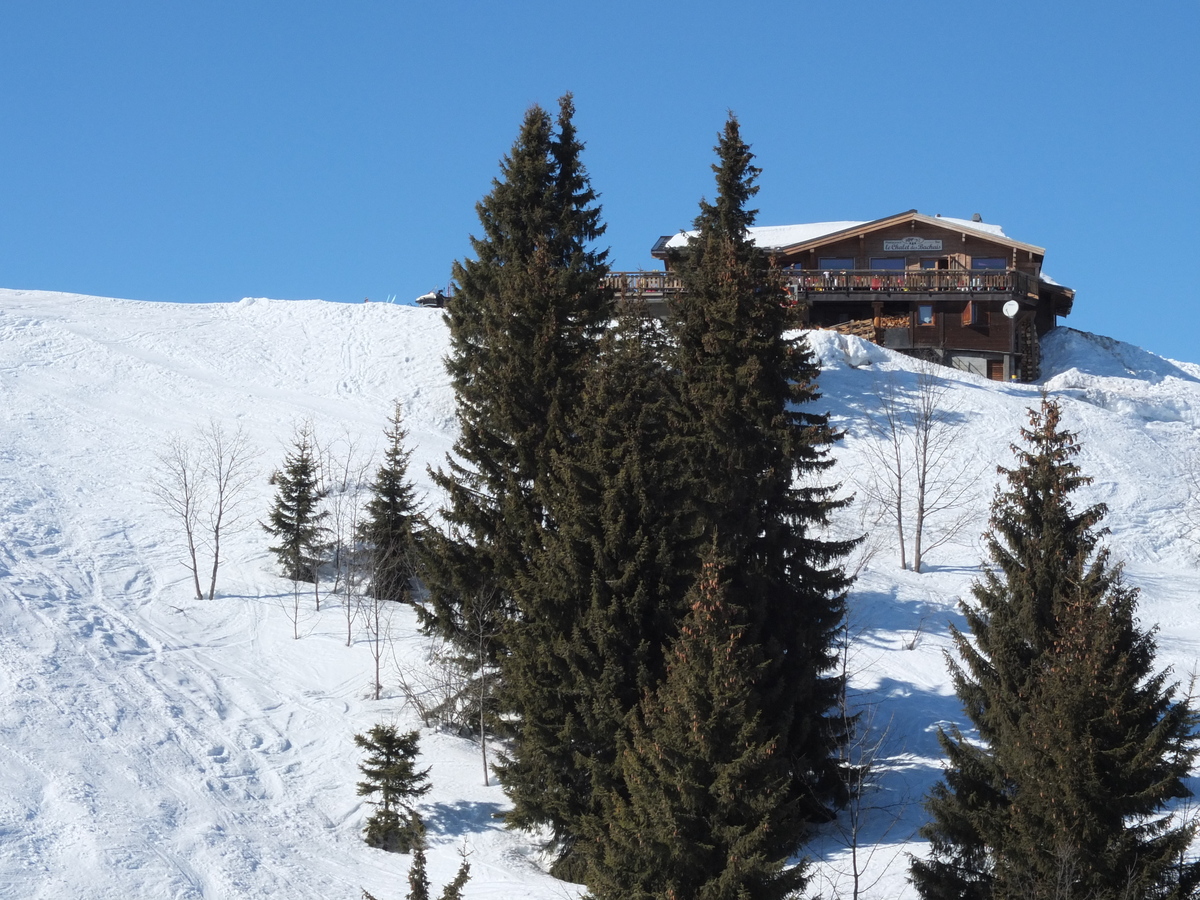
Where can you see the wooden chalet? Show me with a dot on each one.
(956, 291)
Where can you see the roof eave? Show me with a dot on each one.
(907, 216)
(1062, 299)
(659, 250)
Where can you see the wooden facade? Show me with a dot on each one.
(955, 291)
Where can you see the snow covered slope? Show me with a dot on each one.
(152, 746)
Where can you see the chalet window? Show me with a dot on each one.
(974, 314)
(989, 262)
(887, 262)
(836, 262)
(940, 263)
(925, 314)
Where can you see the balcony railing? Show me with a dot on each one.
(653, 285)
(921, 281)
(645, 284)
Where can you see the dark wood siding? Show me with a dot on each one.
(960, 244)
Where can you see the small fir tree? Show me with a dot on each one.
(391, 526)
(705, 812)
(418, 880)
(296, 521)
(1082, 744)
(392, 777)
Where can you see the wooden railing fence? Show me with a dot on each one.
(1005, 281)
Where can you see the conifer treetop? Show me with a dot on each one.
(736, 176)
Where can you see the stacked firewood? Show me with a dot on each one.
(863, 328)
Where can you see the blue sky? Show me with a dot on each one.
(212, 151)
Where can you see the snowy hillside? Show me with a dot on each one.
(153, 746)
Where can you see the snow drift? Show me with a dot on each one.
(153, 746)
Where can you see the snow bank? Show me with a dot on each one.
(156, 747)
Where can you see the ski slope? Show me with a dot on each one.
(153, 746)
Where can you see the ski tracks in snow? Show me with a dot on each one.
(124, 753)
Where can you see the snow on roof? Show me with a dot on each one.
(772, 236)
(978, 226)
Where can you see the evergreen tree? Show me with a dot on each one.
(603, 595)
(391, 774)
(418, 880)
(750, 434)
(390, 529)
(296, 520)
(523, 327)
(1082, 743)
(706, 811)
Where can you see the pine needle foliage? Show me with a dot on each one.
(1081, 743)
(390, 775)
(705, 812)
(524, 322)
(296, 521)
(604, 594)
(747, 390)
(418, 879)
(391, 526)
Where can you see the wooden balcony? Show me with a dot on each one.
(830, 285)
(814, 285)
(644, 285)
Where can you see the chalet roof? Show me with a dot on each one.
(792, 238)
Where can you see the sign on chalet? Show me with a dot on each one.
(958, 292)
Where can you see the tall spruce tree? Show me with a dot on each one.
(706, 811)
(603, 595)
(1082, 743)
(296, 521)
(747, 390)
(523, 323)
(391, 526)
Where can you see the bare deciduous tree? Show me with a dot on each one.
(455, 686)
(354, 584)
(861, 757)
(914, 478)
(228, 468)
(940, 480)
(481, 626)
(292, 609)
(344, 473)
(378, 624)
(376, 611)
(888, 463)
(201, 481)
(439, 688)
(176, 485)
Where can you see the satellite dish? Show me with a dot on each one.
(1011, 308)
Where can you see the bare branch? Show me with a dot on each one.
(178, 485)
(228, 467)
(915, 477)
